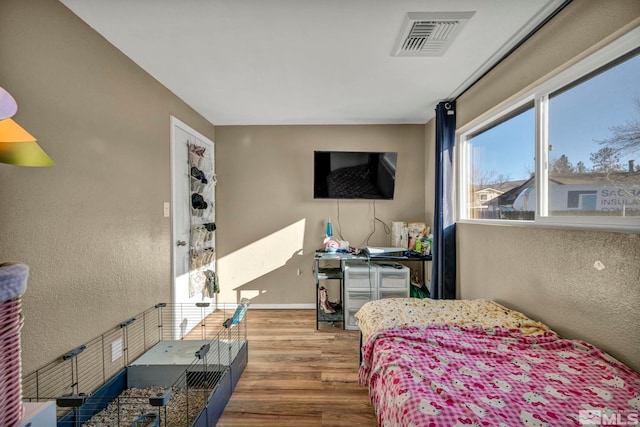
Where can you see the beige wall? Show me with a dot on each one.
(549, 274)
(91, 228)
(269, 225)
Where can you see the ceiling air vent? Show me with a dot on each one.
(429, 34)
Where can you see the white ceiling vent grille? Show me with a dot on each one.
(429, 34)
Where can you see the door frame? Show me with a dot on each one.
(176, 123)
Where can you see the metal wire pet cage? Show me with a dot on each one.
(137, 375)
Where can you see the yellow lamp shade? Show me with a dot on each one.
(24, 154)
(10, 131)
(19, 147)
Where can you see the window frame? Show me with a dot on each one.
(539, 96)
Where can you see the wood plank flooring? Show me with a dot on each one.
(297, 375)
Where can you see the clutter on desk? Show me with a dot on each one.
(399, 234)
(415, 236)
(332, 245)
(427, 245)
(416, 231)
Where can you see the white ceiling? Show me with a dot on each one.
(249, 62)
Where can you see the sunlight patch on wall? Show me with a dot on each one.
(261, 257)
(250, 293)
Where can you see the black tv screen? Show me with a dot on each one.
(354, 175)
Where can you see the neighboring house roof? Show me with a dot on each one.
(508, 197)
(593, 178)
(501, 187)
(489, 190)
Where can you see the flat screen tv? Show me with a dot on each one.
(354, 175)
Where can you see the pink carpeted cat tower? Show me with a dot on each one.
(13, 283)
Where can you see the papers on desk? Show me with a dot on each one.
(385, 251)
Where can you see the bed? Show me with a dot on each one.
(477, 363)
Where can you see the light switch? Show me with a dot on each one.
(167, 208)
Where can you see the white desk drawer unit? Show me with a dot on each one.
(360, 297)
(360, 276)
(364, 282)
(360, 287)
(350, 319)
(393, 293)
(393, 276)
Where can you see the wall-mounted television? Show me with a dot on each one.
(354, 175)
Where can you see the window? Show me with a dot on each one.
(500, 159)
(565, 153)
(594, 140)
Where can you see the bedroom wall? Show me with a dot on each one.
(549, 274)
(269, 225)
(91, 228)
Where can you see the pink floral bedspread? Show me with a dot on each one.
(449, 375)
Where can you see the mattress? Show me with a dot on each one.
(390, 313)
(465, 376)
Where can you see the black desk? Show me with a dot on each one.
(337, 273)
(417, 258)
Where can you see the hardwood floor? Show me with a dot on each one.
(297, 375)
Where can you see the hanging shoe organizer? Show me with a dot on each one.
(203, 226)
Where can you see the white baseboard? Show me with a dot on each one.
(283, 306)
(310, 306)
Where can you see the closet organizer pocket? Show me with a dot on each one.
(202, 257)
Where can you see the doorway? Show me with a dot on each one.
(193, 254)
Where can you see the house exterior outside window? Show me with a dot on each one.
(566, 153)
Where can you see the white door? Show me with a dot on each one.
(192, 225)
